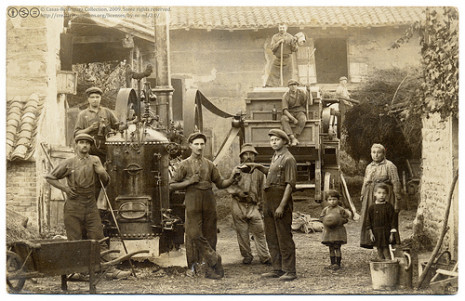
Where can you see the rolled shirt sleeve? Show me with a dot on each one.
(215, 175)
(100, 170)
(180, 172)
(285, 102)
(290, 172)
(282, 171)
(60, 171)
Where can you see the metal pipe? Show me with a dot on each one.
(163, 90)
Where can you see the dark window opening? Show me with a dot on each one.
(330, 60)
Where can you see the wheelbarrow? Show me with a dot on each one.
(55, 257)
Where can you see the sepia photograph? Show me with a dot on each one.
(222, 149)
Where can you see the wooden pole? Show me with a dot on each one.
(308, 65)
(443, 232)
(281, 66)
(51, 166)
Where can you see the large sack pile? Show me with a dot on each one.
(302, 222)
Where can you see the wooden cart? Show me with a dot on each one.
(44, 258)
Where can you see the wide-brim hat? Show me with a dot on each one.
(196, 135)
(84, 137)
(292, 82)
(342, 78)
(279, 133)
(94, 90)
(247, 147)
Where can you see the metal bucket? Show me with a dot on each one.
(384, 274)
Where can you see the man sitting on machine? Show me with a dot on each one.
(294, 106)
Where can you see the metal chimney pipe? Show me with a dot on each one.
(163, 89)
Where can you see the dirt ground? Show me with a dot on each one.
(353, 279)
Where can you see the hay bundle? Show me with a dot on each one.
(16, 227)
(375, 121)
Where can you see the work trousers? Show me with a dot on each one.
(278, 231)
(82, 219)
(200, 226)
(301, 119)
(248, 220)
(274, 78)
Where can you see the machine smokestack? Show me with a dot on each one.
(163, 90)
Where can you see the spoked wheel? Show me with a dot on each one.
(13, 266)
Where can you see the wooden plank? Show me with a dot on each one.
(226, 146)
(96, 39)
(447, 273)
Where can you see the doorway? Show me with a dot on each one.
(330, 60)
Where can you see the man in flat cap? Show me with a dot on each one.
(342, 93)
(345, 101)
(80, 213)
(277, 210)
(196, 175)
(283, 44)
(294, 106)
(246, 205)
(96, 121)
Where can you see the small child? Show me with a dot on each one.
(334, 235)
(381, 223)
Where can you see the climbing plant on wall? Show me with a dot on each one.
(397, 99)
(440, 52)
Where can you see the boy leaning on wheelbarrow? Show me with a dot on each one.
(81, 215)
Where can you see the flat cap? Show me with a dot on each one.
(84, 137)
(279, 133)
(292, 82)
(247, 147)
(342, 78)
(94, 90)
(196, 135)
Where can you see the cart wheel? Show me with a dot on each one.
(14, 264)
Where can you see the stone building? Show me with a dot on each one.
(35, 111)
(440, 155)
(223, 51)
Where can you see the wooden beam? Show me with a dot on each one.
(96, 39)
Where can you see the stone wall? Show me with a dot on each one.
(440, 159)
(21, 191)
(26, 48)
(32, 61)
(228, 64)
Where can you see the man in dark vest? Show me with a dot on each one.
(96, 121)
(277, 209)
(196, 175)
(80, 214)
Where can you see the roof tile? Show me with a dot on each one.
(227, 18)
(262, 17)
(22, 118)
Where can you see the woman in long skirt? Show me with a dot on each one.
(380, 170)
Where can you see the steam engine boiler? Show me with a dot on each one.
(138, 159)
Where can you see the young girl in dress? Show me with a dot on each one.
(384, 171)
(334, 235)
(381, 222)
